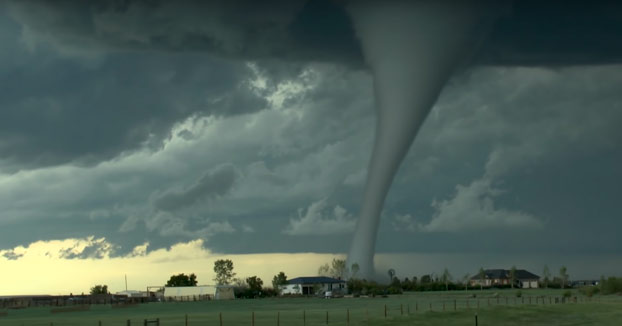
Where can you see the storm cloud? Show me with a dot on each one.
(250, 126)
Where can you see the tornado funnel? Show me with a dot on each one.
(412, 48)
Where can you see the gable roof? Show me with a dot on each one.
(521, 274)
(314, 280)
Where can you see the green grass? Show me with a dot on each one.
(362, 311)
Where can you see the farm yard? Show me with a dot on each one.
(492, 307)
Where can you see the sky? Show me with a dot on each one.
(150, 138)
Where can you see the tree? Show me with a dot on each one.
(391, 273)
(465, 280)
(563, 275)
(99, 289)
(512, 276)
(336, 269)
(407, 285)
(425, 279)
(238, 282)
(354, 269)
(339, 269)
(482, 277)
(547, 276)
(224, 271)
(182, 280)
(279, 279)
(254, 283)
(324, 270)
(445, 278)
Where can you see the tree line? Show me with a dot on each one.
(253, 286)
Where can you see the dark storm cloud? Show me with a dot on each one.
(213, 184)
(297, 29)
(11, 255)
(57, 110)
(86, 81)
(556, 33)
(529, 33)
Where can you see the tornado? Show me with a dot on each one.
(412, 48)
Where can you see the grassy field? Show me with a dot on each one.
(500, 307)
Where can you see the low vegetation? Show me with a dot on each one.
(496, 307)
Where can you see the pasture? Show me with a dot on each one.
(493, 307)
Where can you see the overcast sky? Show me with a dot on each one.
(125, 130)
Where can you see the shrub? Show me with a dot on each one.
(611, 285)
(567, 294)
(519, 294)
(589, 291)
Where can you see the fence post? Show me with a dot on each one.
(348, 317)
(455, 305)
(443, 305)
(220, 318)
(416, 306)
(186, 319)
(401, 309)
(278, 318)
(408, 306)
(326, 317)
(129, 323)
(158, 321)
(430, 306)
(385, 311)
(100, 323)
(475, 319)
(253, 318)
(304, 318)
(468, 305)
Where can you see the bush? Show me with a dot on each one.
(611, 285)
(519, 294)
(567, 294)
(589, 291)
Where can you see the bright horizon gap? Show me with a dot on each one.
(39, 272)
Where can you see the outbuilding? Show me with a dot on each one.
(312, 285)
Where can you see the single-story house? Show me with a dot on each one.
(311, 285)
(493, 277)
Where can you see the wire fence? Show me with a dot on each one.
(356, 315)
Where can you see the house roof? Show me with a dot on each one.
(314, 280)
(521, 274)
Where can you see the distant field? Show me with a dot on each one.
(407, 309)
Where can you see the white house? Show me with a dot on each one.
(312, 285)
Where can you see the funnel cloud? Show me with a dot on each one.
(412, 49)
